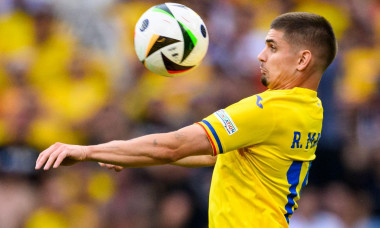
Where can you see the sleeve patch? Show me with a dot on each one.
(226, 121)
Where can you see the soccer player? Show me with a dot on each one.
(264, 144)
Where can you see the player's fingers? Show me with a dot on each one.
(53, 157)
(110, 166)
(118, 168)
(38, 161)
(49, 162)
(59, 159)
(104, 165)
(39, 157)
(44, 155)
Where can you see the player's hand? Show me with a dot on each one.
(117, 168)
(61, 154)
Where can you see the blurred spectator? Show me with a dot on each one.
(329, 165)
(109, 123)
(343, 201)
(312, 214)
(17, 196)
(174, 211)
(20, 107)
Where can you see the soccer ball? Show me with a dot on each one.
(170, 39)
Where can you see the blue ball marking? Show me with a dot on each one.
(203, 31)
(144, 25)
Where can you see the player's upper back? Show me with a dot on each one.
(296, 118)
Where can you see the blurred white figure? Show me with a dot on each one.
(311, 215)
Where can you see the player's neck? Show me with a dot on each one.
(310, 82)
(303, 81)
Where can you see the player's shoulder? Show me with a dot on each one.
(278, 95)
(271, 98)
(260, 99)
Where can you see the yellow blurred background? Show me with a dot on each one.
(69, 73)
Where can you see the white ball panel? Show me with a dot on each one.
(163, 24)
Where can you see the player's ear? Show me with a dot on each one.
(304, 60)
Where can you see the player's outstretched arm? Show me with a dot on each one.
(147, 150)
(196, 161)
(189, 162)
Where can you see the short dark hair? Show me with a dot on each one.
(308, 30)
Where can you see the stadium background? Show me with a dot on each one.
(68, 73)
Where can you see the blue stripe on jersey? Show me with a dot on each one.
(293, 176)
(215, 136)
(307, 176)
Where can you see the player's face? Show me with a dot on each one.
(278, 61)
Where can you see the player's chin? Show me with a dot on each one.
(264, 80)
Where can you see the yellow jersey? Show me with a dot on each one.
(265, 144)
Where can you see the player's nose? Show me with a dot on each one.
(261, 57)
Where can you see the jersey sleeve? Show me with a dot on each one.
(245, 123)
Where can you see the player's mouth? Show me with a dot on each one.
(262, 70)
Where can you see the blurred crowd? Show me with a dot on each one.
(69, 73)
